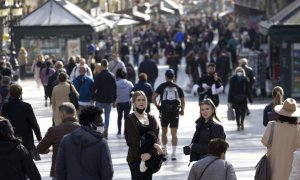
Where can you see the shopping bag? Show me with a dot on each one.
(230, 113)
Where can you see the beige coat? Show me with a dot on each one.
(60, 94)
(286, 140)
(295, 173)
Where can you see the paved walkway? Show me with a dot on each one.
(244, 151)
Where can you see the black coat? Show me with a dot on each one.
(22, 118)
(16, 162)
(209, 80)
(204, 133)
(239, 86)
(105, 88)
(149, 67)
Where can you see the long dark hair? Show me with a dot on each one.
(48, 65)
(7, 131)
(210, 103)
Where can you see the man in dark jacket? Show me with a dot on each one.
(149, 67)
(210, 85)
(22, 118)
(56, 133)
(57, 66)
(144, 86)
(84, 154)
(104, 92)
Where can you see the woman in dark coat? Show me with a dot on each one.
(137, 124)
(16, 162)
(207, 128)
(269, 112)
(239, 91)
(22, 118)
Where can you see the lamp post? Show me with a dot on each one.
(10, 12)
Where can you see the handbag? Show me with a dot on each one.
(263, 170)
(73, 98)
(230, 113)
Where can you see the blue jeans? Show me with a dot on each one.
(107, 109)
(122, 107)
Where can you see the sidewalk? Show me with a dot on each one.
(244, 151)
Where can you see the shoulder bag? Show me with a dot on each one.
(73, 98)
(263, 170)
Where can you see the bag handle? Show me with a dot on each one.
(271, 135)
(207, 167)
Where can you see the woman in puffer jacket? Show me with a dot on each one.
(207, 128)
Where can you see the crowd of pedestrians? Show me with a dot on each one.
(79, 136)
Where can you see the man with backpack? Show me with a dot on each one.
(170, 107)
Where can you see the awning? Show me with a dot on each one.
(285, 33)
(290, 15)
(60, 13)
(114, 19)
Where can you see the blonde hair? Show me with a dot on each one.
(277, 94)
(138, 93)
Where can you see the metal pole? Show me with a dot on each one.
(1, 34)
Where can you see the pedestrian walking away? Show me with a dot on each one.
(84, 154)
(213, 166)
(104, 93)
(16, 162)
(55, 133)
(171, 105)
(269, 112)
(22, 118)
(286, 139)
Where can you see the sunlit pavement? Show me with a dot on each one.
(244, 151)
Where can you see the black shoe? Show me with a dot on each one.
(104, 134)
(247, 112)
(45, 103)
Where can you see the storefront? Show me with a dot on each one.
(57, 28)
(284, 44)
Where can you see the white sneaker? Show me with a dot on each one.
(165, 150)
(173, 157)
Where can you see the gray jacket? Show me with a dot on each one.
(218, 170)
(83, 154)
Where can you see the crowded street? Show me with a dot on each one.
(149, 89)
(244, 151)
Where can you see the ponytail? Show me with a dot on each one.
(277, 96)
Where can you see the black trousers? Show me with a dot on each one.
(136, 174)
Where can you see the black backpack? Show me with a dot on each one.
(170, 99)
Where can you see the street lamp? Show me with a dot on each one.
(10, 12)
